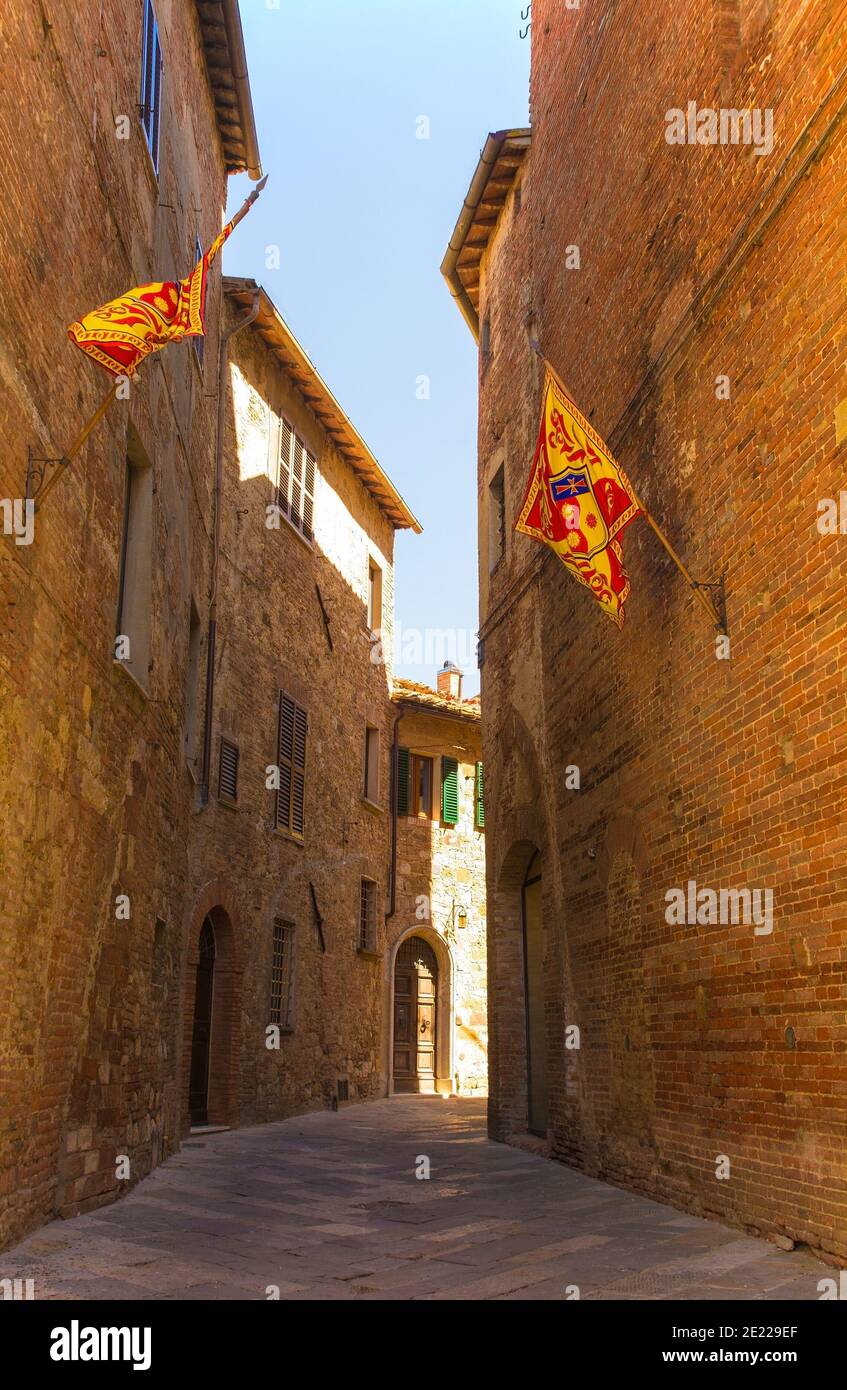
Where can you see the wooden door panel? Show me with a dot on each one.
(415, 1016)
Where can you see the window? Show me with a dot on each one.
(370, 789)
(414, 784)
(295, 487)
(496, 519)
(367, 915)
(374, 596)
(228, 771)
(479, 799)
(281, 973)
(132, 645)
(485, 341)
(192, 683)
(449, 791)
(151, 82)
(290, 798)
(198, 341)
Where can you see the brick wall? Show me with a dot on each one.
(696, 262)
(94, 797)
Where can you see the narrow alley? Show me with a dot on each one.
(328, 1206)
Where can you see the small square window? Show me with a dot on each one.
(367, 915)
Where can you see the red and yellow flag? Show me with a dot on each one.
(123, 332)
(579, 500)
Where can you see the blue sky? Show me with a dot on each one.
(362, 211)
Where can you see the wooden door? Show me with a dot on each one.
(536, 1036)
(198, 1086)
(415, 1016)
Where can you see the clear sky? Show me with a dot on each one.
(362, 211)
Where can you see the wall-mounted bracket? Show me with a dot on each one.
(717, 593)
(36, 472)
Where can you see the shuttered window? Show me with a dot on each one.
(367, 915)
(449, 791)
(479, 799)
(281, 973)
(151, 82)
(291, 758)
(228, 771)
(403, 781)
(295, 487)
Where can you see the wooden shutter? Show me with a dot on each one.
(285, 759)
(297, 484)
(290, 799)
(308, 496)
(449, 791)
(284, 479)
(298, 790)
(402, 781)
(228, 771)
(480, 798)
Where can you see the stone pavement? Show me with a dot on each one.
(327, 1206)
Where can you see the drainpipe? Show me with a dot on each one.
(395, 789)
(216, 539)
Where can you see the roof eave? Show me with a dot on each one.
(517, 140)
(226, 65)
(330, 415)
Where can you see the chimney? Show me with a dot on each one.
(450, 682)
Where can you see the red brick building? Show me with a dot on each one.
(119, 124)
(691, 296)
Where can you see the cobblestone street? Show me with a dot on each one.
(328, 1206)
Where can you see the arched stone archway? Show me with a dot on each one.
(216, 984)
(444, 1007)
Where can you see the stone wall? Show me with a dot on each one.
(271, 637)
(440, 870)
(696, 263)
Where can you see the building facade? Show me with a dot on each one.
(199, 839)
(436, 965)
(688, 288)
(136, 114)
(290, 849)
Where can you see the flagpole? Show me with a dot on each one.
(697, 588)
(78, 442)
(95, 419)
(248, 202)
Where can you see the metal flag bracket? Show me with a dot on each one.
(718, 596)
(36, 472)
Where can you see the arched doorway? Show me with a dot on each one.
(201, 1037)
(416, 1021)
(536, 1032)
(210, 1063)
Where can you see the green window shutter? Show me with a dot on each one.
(449, 791)
(480, 798)
(402, 781)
